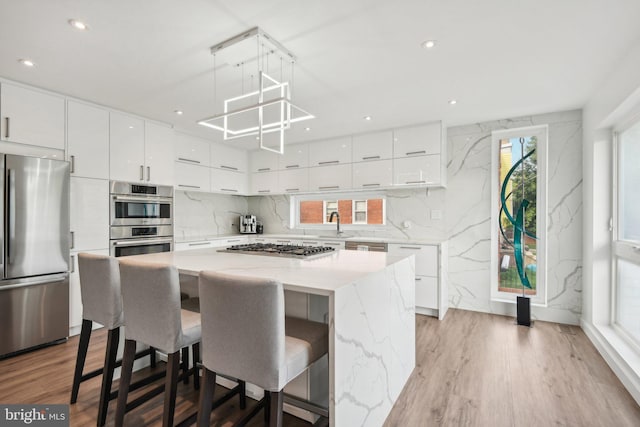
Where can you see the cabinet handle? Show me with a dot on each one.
(73, 239)
(188, 160)
(331, 244)
(264, 191)
(231, 168)
(199, 244)
(229, 189)
(148, 173)
(415, 182)
(188, 186)
(413, 153)
(73, 264)
(6, 129)
(309, 243)
(141, 172)
(291, 189)
(264, 169)
(331, 162)
(370, 157)
(411, 247)
(283, 241)
(418, 278)
(73, 164)
(293, 166)
(370, 185)
(233, 240)
(329, 187)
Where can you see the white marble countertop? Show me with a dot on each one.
(315, 237)
(320, 276)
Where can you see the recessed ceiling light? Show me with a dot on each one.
(78, 25)
(367, 118)
(452, 102)
(130, 127)
(307, 129)
(179, 112)
(27, 62)
(428, 44)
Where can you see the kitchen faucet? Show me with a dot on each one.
(338, 232)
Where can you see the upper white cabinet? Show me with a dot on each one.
(335, 177)
(293, 180)
(126, 148)
(192, 177)
(158, 153)
(330, 152)
(31, 117)
(294, 157)
(88, 140)
(418, 140)
(372, 175)
(228, 158)
(264, 182)
(140, 151)
(373, 146)
(419, 170)
(228, 181)
(263, 161)
(89, 213)
(192, 150)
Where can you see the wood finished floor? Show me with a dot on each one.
(473, 369)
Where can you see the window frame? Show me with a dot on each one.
(294, 210)
(354, 211)
(542, 133)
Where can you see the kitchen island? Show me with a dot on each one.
(370, 312)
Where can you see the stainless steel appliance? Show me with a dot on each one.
(248, 224)
(365, 246)
(286, 251)
(34, 252)
(141, 219)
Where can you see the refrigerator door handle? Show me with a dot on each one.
(11, 212)
(46, 279)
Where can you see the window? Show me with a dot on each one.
(314, 211)
(519, 214)
(626, 256)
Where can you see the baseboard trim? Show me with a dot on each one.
(612, 355)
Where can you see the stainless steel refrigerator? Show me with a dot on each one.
(34, 236)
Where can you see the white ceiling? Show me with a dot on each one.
(498, 58)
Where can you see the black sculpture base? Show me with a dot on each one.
(524, 311)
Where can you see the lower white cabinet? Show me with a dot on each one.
(186, 246)
(372, 175)
(89, 213)
(432, 294)
(228, 181)
(264, 182)
(336, 244)
(75, 296)
(190, 177)
(418, 170)
(335, 177)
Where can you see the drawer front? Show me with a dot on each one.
(426, 257)
(427, 292)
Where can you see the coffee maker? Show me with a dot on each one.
(248, 224)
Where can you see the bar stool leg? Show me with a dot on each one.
(185, 364)
(83, 345)
(276, 403)
(243, 394)
(152, 357)
(125, 378)
(107, 376)
(195, 350)
(171, 388)
(206, 397)
(267, 406)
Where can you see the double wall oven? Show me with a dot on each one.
(141, 218)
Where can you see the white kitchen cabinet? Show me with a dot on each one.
(330, 152)
(228, 158)
(126, 148)
(190, 177)
(158, 153)
(372, 175)
(295, 156)
(89, 213)
(229, 241)
(373, 146)
(419, 170)
(418, 140)
(336, 244)
(191, 149)
(293, 181)
(88, 140)
(264, 182)
(263, 161)
(335, 177)
(187, 246)
(75, 296)
(31, 117)
(431, 287)
(228, 181)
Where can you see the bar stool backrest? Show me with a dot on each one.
(100, 289)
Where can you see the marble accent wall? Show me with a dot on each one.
(198, 215)
(468, 215)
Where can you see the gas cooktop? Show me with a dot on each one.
(287, 251)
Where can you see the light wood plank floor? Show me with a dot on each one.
(473, 369)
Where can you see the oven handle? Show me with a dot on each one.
(140, 242)
(143, 199)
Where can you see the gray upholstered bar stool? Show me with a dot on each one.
(247, 315)
(101, 303)
(151, 302)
